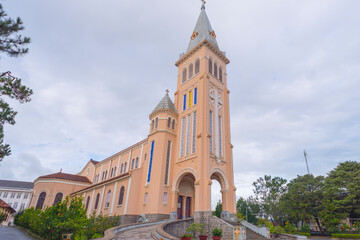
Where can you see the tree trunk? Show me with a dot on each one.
(318, 223)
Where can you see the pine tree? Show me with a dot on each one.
(13, 45)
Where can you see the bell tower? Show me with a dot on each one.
(203, 147)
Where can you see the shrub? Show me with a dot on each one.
(217, 232)
(68, 216)
(304, 234)
(289, 228)
(352, 236)
(2, 217)
(186, 235)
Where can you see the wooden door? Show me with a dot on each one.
(188, 207)
(179, 207)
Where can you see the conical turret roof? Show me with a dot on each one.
(165, 103)
(202, 31)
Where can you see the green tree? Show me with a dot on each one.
(342, 194)
(249, 208)
(267, 192)
(218, 209)
(304, 199)
(13, 45)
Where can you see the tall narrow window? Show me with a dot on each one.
(173, 124)
(220, 136)
(165, 198)
(190, 98)
(197, 66)
(169, 122)
(125, 167)
(184, 76)
(211, 130)
(184, 107)
(137, 162)
(41, 200)
(195, 96)
(87, 203)
(167, 163)
(132, 164)
(191, 70)
(215, 70)
(108, 197)
(152, 125)
(210, 66)
(57, 199)
(182, 138)
(97, 201)
(151, 159)
(188, 134)
(121, 196)
(220, 74)
(156, 123)
(194, 133)
(114, 171)
(106, 174)
(122, 168)
(146, 198)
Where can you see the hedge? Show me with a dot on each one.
(352, 236)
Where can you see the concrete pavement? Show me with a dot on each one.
(11, 233)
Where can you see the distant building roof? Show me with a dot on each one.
(94, 162)
(5, 205)
(16, 184)
(67, 176)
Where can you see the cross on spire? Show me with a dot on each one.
(203, 4)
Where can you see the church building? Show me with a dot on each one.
(169, 173)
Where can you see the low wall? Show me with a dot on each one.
(210, 222)
(177, 228)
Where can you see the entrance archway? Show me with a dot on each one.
(185, 195)
(217, 175)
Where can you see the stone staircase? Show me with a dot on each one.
(251, 230)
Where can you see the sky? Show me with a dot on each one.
(98, 69)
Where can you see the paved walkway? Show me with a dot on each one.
(11, 233)
(140, 233)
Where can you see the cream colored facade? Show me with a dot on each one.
(168, 174)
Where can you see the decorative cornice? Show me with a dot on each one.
(195, 49)
(175, 114)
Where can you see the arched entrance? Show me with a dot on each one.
(218, 175)
(184, 189)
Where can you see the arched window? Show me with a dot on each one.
(41, 200)
(173, 124)
(122, 167)
(137, 162)
(210, 66)
(156, 123)
(97, 201)
(125, 167)
(197, 66)
(87, 203)
(133, 164)
(121, 196)
(57, 199)
(152, 125)
(107, 202)
(184, 75)
(191, 70)
(169, 122)
(220, 74)
(215, 70)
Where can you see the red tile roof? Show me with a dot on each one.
(5, 205)
(67, 176)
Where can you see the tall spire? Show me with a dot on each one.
(202, 31)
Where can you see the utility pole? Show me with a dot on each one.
(307, 165)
